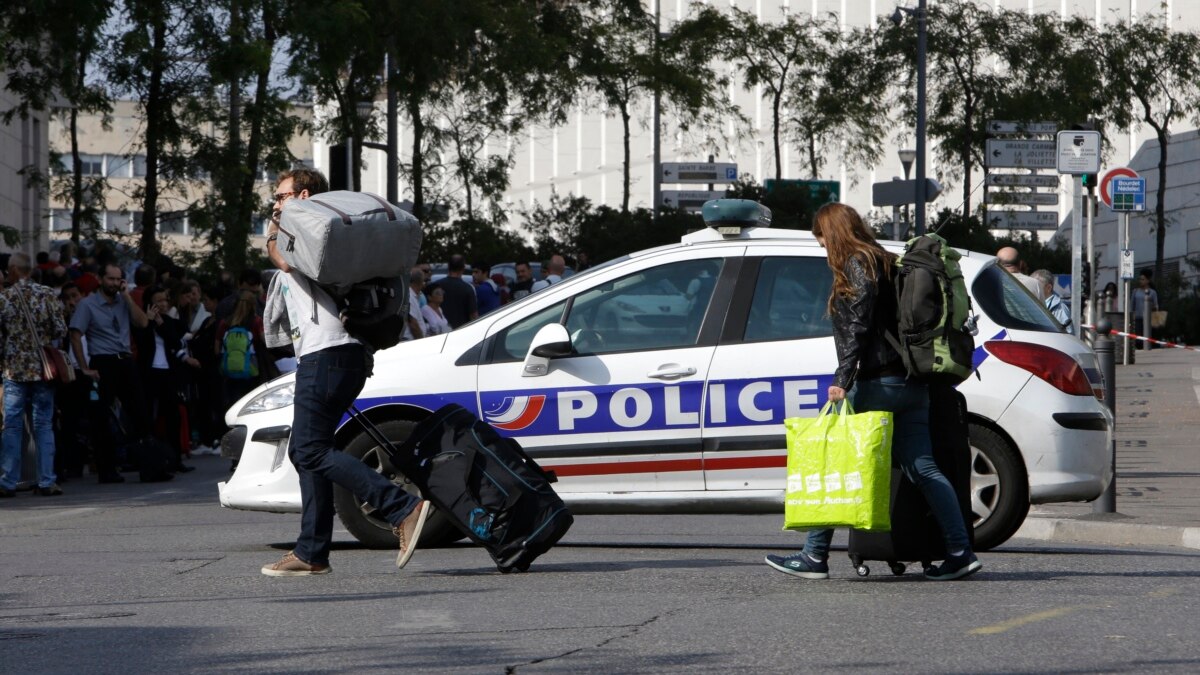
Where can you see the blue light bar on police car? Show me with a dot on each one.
(731, 216)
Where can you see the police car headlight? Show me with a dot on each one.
(271, 399)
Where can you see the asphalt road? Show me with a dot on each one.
(158, 578)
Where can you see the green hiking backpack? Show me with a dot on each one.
(237, 354)
(935, 323)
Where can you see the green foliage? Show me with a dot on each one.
(970, 233)
(572, 225)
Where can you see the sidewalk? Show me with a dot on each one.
(1158, 462)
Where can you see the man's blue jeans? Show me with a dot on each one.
(912, 451)
(327, 382)
(19, 396)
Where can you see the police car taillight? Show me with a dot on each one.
(1056, 368)
(730, 216)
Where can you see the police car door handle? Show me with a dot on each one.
(671, 371)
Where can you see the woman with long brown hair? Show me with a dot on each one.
(862, 306)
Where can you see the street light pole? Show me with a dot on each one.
(921, 54)
(906, 160)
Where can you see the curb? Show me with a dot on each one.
(1115, 534)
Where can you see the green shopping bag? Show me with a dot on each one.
(839, 470)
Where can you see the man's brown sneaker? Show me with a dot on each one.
(409, 531)
(291, 566)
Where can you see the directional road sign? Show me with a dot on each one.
(1128, 194)
(699, 172)
(1006, 127)
(1021, 180)
(1078, 152)
(1026, 198)
(1106, 182)
(1003, 152)
(901, 192)
(689, 200)
(1023, 220)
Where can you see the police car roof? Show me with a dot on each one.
(709, 234)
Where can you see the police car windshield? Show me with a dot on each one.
(1009, 303)
(569, 280)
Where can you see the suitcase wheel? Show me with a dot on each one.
(898, 568)
(862, 570)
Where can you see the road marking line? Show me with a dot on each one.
(1023, 620)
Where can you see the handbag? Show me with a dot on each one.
(1158, 318)
(839, 470)
(55, 367)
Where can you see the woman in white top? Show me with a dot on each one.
(433, 313)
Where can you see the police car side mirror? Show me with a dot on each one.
(551, 342)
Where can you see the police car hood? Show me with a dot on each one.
(405, 352)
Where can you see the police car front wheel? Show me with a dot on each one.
(361, 520)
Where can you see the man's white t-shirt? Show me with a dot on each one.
(309, 335)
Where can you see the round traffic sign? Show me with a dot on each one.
(1120, 172)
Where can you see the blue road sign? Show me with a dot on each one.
(1128, 194)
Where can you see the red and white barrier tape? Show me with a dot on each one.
(1117, 333)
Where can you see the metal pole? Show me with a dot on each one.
(657, 177)
(1104, 347)
(920, 205)
(1125, 290)
(1091, 258)
(1077, 256)
(350, 161)
(393, 134)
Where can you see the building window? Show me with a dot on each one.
(119, 166)
(172, 222)
(117, 221)
(258, 225)
(60, 220)
(139, 166)
(93, 165)
(1193, 241)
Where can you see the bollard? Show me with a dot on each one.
(1105, 353)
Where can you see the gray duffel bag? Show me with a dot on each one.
(340, 238)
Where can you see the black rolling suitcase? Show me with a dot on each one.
(487, 485)
(915, 535)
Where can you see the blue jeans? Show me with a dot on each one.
(327, 382)
(912, 450)
(18, 397)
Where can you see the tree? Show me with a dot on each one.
(620, 59)
(47, 46)
(772, 55)
(338, 53)
(238, 40)
(465, 128)
(1157, 69)
(843, 105)
(150, 62)
(963, 85)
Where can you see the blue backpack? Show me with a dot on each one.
(237, 354)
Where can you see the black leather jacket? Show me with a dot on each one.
(859, 323)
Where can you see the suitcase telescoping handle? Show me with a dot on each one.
(372, 430)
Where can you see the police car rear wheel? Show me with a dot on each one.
(999, 488)
(361, 520)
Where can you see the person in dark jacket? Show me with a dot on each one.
(159, 347)
(871, 375)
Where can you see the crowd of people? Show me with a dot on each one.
(158, 360)
(165, 356)
(437, 307)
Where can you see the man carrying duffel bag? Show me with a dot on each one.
(332, 367)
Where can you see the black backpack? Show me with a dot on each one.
(374, 311)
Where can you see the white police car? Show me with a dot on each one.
(658, 382)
